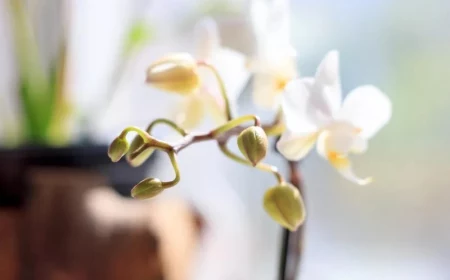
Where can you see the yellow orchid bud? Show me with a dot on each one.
(137, 154)
(285, 205)
(175, 73)
(118, 148)
(147, 188)
(252, 143)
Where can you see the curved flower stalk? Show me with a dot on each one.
(207, 100)
(314, 112)
(274, 64)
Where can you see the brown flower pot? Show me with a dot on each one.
(46, 229)
(21, 167)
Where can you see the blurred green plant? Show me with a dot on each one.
(38, 89)
(42, 94)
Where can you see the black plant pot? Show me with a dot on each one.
(16, 165)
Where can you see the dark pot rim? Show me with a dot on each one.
(89, 153)
(15, 161)
(55, 149)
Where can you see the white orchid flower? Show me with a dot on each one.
(274, 64)
(231, 66)
(314, 112)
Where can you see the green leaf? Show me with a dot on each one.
(35, 88)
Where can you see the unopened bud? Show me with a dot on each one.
(138, 153)
(118, 148)
(252, 143)
(285, 205)
(147, 188)
(175, 73)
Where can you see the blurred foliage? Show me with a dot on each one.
(37, 89)
(44, 105)
(139, 35)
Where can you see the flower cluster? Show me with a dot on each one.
(311, 110)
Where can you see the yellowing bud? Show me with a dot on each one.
(175, 73)
(137, 159)
(118, 148)
(285, 205)
(252, 143)
(147, 188)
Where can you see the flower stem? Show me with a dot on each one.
(292, 242)
(173, 160)
(261, 166)
(168, 122)
(234, 123)
(222, 88)
(148, 140)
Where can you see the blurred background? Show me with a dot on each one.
(395, 228)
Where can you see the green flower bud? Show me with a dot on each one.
(118, 148)
(285, 205)
(175, 73)
(147, 188)
(252, 143)
(137, 159)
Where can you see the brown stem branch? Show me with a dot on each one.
(292, 247)
(192, 138)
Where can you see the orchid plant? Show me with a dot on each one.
(312, 112)
(309, 111)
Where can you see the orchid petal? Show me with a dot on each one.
(272, 74)
(279, 22)
(214, 107)
(231, 66)
(296, 146)
(271, 23)
(360, 145)
(266, 91)
(279, 61)
(274, 63)
(190, 113)
(328, 85)
(328, 70)
(367, 108)
(342, 137)
(299, 116)
(259, 15)
(334, 145)
(207, 38)
(344, 167)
